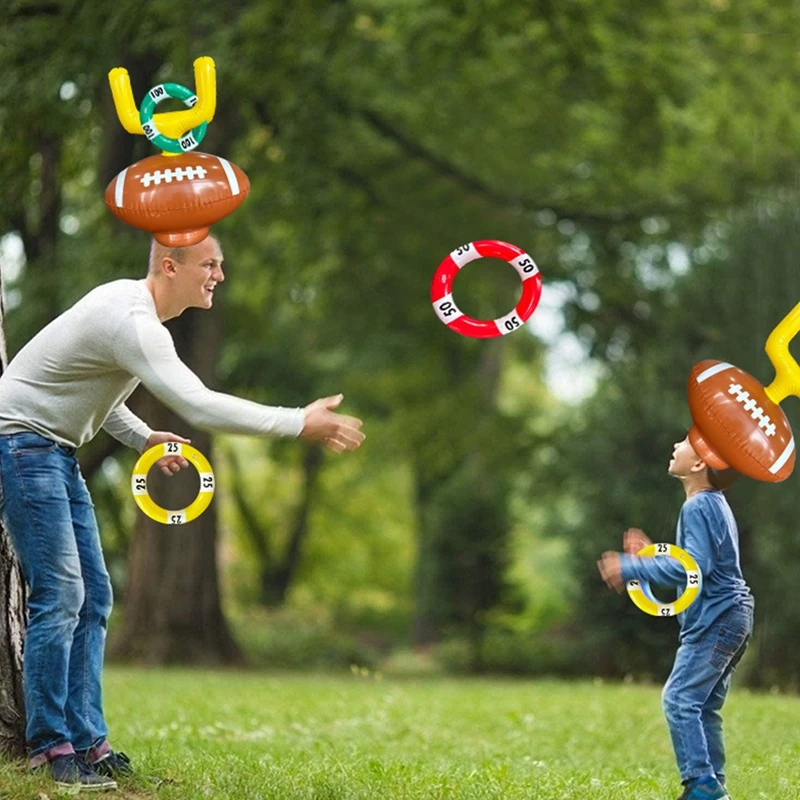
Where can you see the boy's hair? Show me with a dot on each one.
(721, 479)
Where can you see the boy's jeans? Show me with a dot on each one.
(49, 516)
(696, 691)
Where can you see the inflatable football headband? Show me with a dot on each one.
(172, 125)
(179, 194)
(737, 422)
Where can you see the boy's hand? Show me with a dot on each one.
(634, 540)
(610, 567)
(169, 464)
(337, 432)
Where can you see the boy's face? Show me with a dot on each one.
(684, 461)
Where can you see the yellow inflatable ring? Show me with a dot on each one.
(642, 595)
(146, 503)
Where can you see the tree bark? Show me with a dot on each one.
(277, 575)
(276, 587)
(12, 623)
(426, 629)
(12, 632)
(173, 612)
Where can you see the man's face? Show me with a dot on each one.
(198, 275)
(684, 460)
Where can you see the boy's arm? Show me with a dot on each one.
(698, 542)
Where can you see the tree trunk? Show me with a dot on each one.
(276, 575)
(426, 628)
(277, 578)
(12, 631)
(172, 607)
(12, 623)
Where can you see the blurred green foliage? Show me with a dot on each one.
(289, 639)
(617, 146)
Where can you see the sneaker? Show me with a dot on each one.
(70, 772)
(705, 788)
(113, 765)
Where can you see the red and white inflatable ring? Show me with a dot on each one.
(442, 289)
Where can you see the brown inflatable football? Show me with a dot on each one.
(177, 198)
(737, 425)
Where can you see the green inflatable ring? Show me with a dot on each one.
(161, 92)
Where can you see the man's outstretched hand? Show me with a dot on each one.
(337, 432)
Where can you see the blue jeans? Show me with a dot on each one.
(696, 690)
(49, 515)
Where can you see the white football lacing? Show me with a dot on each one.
(750, 405)
(168, 175)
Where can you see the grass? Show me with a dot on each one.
(252, 736)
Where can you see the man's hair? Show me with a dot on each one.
(721, 479)
(158, 252)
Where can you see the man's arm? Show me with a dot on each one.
(133, 432)
(144, 348)
(127, 428)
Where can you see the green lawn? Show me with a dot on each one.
(245, 736)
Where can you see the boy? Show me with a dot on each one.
(714, 630)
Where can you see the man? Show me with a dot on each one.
(70, 380)
(714, 630)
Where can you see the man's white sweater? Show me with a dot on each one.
(75, 375)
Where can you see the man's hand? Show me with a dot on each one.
(634, 540)
(168, 464)
(336, 431)
(610, 567)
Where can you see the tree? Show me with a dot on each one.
(12, 622)
(471, 553)
(277, 570)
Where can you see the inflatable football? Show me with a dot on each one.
(177, 198)
(736, 424)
